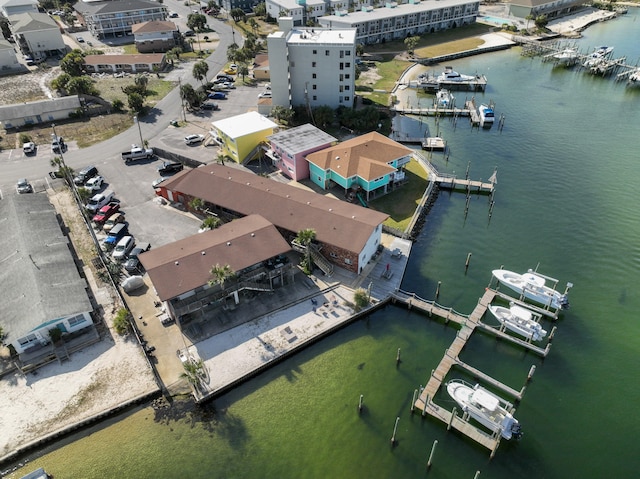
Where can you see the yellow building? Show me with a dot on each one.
(240, 136)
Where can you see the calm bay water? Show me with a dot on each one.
(568, 179)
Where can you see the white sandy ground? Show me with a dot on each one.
(94, 380)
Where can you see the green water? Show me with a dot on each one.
(568, 179)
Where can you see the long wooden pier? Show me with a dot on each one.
(468, 324)
(453, 183)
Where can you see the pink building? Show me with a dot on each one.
(288, 149)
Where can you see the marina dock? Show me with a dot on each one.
(450, 182)
(468, 324)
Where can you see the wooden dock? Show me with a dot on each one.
(468, 324)
(433, 111)
(452, 183)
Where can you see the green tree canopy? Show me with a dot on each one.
(82, 84)
(197, 21)
(220, 274)
(136, 101)
(411, 43)
(200, 70)
(73, 63)
(237, 14)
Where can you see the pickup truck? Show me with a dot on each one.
(137, 153)
(106, 212)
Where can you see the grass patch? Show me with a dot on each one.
(402, 203)
(449, 47)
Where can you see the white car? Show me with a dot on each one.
(95, 183)
(193, 139)
(123, 247)
(265, 94)
(29, 147)
(24, 186)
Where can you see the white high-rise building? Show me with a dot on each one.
(312, 66)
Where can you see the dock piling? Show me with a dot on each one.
(466, 264)
(531, 372)
(453, 415)
(398, 357)
(552, 334)
(433, 449)
(426, 403)
(360, 403)
(438, 289)
(413, 400)
(395, 430)
(477, 474)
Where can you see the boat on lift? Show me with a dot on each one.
(485, 407)
(634, 78)
(450, 75)
(568, 56)
(521, 321)
(532, 286)
(599, 54)
(444, 99)
(487, 115)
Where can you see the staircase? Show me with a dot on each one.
(320, 261)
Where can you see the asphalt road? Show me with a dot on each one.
(149, 221)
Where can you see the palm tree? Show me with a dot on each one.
(210, 222)
(305, 238)
(200, 70)
(64, 171)
(221, 274)
(220, 159)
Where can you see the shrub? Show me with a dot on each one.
(24, 138)
(55, 334)
(121, 322)
(361, 299)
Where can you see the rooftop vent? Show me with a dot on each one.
(203, 253)
(177, 263)
(228, 243)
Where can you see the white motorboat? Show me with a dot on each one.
(450, 75)
(532, 287)
(485, 407)
(568, 56)
(634, 78)
(521, 321)
(599, 54)
(487, 115)
(444, 99)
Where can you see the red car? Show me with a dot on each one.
(105, 212)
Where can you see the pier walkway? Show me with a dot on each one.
(468, 324)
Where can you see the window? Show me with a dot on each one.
(326, 52)
(347, 76)
(315, 97)
(341, 77)
(348, 65)
(314, 76)
(315, 52)
(341, 66)
(341, 88)
(341, 53)
(347, 53)
(313, 64)
(346, 87)
(314, 87)
(347, 261)
(346, 98)
(76, 320)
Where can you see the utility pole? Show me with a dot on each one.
(136, 120)
(184, 114)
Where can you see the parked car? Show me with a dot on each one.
(133, 263)
(168, 168)
(85, 174)
(157, 181)
(123, 247)
(173, 15)
(95, 183)
(106, 212)
(228, 85)
(99, 200)
(115, 235)
(79, 39)
(29, 147)
(224, 78)
(57, 145)
(23, 186)
(265, 94)
(193, 139)
(217, 95)
(189, 33)
(207, 105)
(113, 220)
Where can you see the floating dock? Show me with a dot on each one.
(468, 324)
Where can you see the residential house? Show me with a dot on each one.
(346, 234)
(312, 66)
(394, 21)
(288, 148)
(240, 136)
(115, 18)
(245, 5)
(143, 62)
(181, 271)
(8, 60)
(36, 112)
(37, 35)
(15, 7)
(41, 289)
(371, 163)
(261, 67)
(156, 36)
(550, 8)
(303, 12)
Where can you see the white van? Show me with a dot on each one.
(99, 200)
(122, 249)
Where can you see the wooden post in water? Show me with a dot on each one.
(453, 415)
(395, 429)
(426, 403)
(360, 403)
(398, 357)
(413, 400)
(476, 475)
(433, 448)
(531, 372)
(553, 333)
(438, 289)
(466, 264)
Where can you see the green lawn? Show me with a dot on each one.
(402, 203)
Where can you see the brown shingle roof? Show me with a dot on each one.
(336, 222)
(124, 59)
(182, 266)
(366, 156)
(153, 26)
